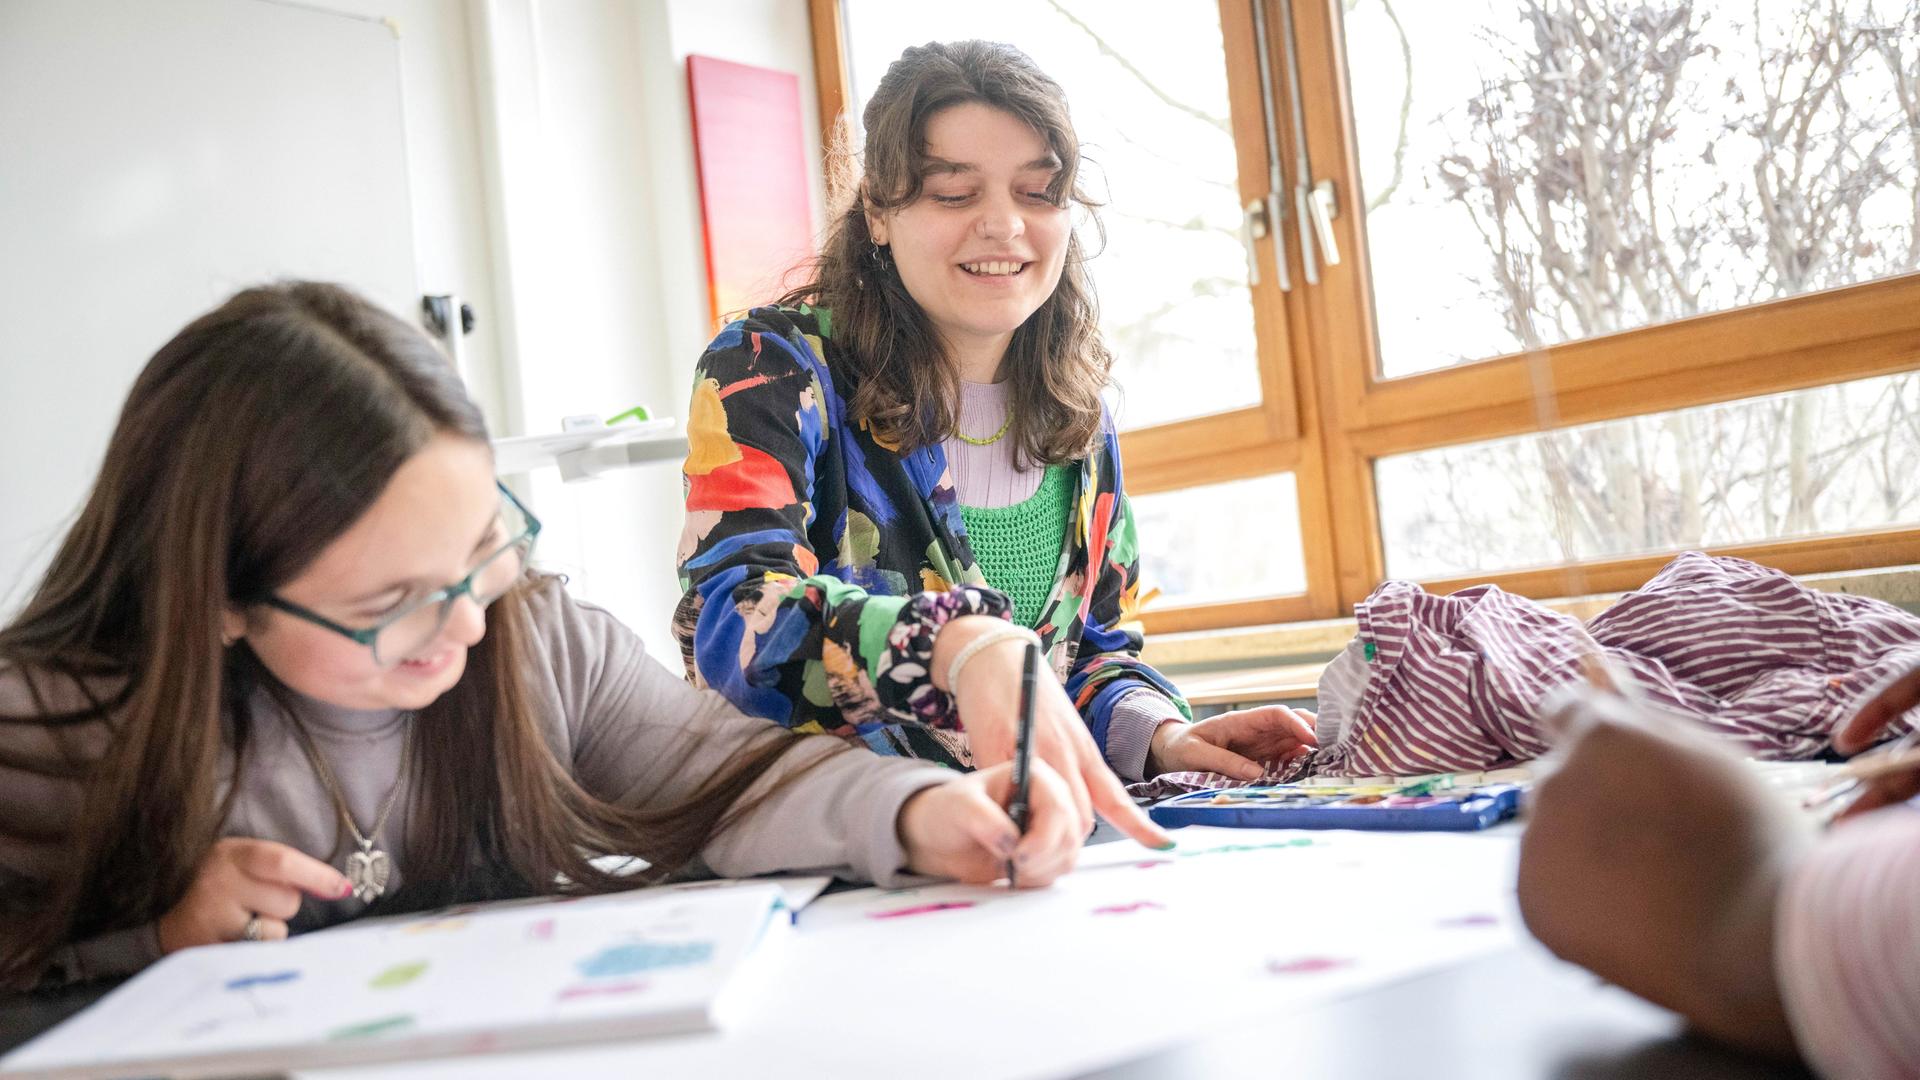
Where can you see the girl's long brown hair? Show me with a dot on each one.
(908, 390)
(250, 441)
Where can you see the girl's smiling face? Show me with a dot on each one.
(983, 245)
(438, 516)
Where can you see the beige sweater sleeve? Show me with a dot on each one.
(640, 735)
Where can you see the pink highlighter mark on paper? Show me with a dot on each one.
(921, 909)
(1128, 909)
(1466, 921)
(484, 1043)
(596, 990)
(1151, 865)
(541, 931)
(1307, 965)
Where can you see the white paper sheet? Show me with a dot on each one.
(1134, 951)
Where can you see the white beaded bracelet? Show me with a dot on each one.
(987, 639)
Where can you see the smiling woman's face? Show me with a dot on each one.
(439, 515)
(983, 246)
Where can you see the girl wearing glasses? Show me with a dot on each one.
(903, 471)
(290, 666)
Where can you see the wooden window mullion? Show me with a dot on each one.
(830, 76)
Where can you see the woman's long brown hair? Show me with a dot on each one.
(908, 390)
(250, 441)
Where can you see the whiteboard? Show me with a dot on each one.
(156, 156)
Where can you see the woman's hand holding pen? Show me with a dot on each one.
(961, 830)
(988, 697)
(1885, 705)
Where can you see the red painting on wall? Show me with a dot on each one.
(755, 189)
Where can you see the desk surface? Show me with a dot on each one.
(1518, 1014)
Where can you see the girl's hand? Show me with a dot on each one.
(240, 879)
(1887, 704)
(988, 699)
(960, 829)
(1238, 744)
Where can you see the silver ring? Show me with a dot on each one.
(251, 931)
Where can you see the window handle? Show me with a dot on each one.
(1258, 220)
(1253, 226)
(1276, 217)
(1322, 207)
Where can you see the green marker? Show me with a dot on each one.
(638, 412)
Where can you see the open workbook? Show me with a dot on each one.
(491, 978)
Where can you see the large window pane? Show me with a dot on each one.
(1538, 171)
(1223, 541)
(1146, 80)
(1831, 460)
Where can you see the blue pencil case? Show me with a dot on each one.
(1412, 807)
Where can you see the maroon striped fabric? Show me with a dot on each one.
(1455, 681)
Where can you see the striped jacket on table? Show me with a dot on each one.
(1451, 683)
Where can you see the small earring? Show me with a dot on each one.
(878, 254)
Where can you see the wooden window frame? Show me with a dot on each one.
(1327, 415)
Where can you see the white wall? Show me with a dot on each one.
(553, 186)
(452, 245)
(597, 219)
(135, 210)
(156, 157)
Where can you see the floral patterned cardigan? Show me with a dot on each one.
(818, 563)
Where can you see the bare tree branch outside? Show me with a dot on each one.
(1628, 164)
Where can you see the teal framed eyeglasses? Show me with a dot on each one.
(413, 627)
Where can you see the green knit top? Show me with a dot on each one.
(1018, 546)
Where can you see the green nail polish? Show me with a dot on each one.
(1168, 846)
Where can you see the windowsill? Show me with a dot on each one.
(1282, 662)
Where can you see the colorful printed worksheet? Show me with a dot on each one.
(470, 981)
